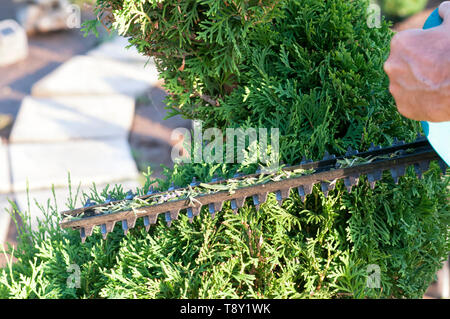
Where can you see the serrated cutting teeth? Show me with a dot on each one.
(304, 190)
(394, 174)
(324, 186)
(171, 216)
(351, 152)
(281, 195)
(327, 186)
(168, 219)
(107, 228)
(424, 166)
(127, 224)
(109, 199)
(421, 167)
(259, 199)
(193, 212)
(374, 147)
(125, 227)
(236, 204)
(326, 174)
(174, 214)
(327, 156)
(194, 182)
(374, 177)
(89, 203)
(401, 170)
(398, 172)
(214, 208)
(86, 232)
(130, 195)
(150, 220)
(351, 181)
(418, 170)
(103, 230)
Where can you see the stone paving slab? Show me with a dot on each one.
(88, 75)
(88, 161)
(75, 117)
(116, 49)
(5, 218)
(5, 185)
(46, 200)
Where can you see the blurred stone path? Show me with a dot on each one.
(76, 120)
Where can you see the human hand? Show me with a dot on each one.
(419, 71)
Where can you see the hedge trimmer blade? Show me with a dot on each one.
(302, 177)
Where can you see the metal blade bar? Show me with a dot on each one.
(322, 165)
(215, 201)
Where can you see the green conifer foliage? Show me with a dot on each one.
(314, 70)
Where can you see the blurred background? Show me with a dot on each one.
(92, 107)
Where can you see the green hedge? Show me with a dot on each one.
(314, 70)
